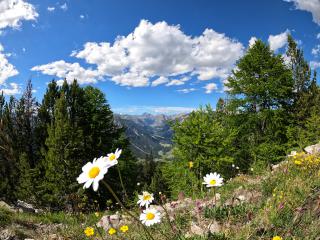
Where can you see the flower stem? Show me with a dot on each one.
(125, 209)
(98, 230)
(168, 218)
(121, 182)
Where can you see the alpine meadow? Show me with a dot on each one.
(165, 133)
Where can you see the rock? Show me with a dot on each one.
(277, 166)
(292, 154)
(241, 195)
(26, 207)
(7, 207)
(7, 234)
(196, 230)
(313, 149)
(115, 221)
(214, 227)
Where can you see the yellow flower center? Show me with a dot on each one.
(146, 197)
(94, 172)
(213, 182)
(112, 157)
(150, 216)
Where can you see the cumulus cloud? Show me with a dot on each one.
(12, 12)
(312, 6)
(12, 90)
(186, 90)
(70, 71)
(160, 80)
(7, 70)
(316, 50)
(51, 9)
(178, 82)
(252, 41)
(157, 51)
(314, 64)
(318, 36)
(211, 87)
(278, 41)
(64, 7)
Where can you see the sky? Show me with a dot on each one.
(150, 56)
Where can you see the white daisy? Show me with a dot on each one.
(213, 180)
(112, 158)
(92, 173)
(145, 199)
(150, 216)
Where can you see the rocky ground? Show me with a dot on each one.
(284, 200)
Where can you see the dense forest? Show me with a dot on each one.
(272, 106)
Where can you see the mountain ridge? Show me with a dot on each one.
(148, 134)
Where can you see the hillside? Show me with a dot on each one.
(283, 201)
(147, 133)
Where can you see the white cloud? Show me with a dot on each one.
(318, 36)
(12, 12)
(178, 82)
(7, 70)
(278, 41)
(175, 82)
(12, 90)
(186, 90)
(211, 87)
(51, 9)
(160, 80)
(162, 52)
(312, 6)
(314, 64)
(316, 50)
(70, 71)
(252, 41)
(64, 7)
(82, 16)
(153, 110)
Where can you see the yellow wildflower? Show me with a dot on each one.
(277, 238)
(124, 228)
(297, 162)
(112, 231)
(89, 231)
(190, 164)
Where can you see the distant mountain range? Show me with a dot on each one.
(149, 134)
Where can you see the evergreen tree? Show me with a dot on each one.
(262, 93)
(25, 183)
(8, 156)
(62, 161)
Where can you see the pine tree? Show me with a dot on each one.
(8, 156)
(262, 93)
(25, 183)
(300, 68)
(62, 163)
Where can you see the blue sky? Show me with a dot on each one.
(146, 56)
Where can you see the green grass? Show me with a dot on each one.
(289, 207)
(5, 218)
